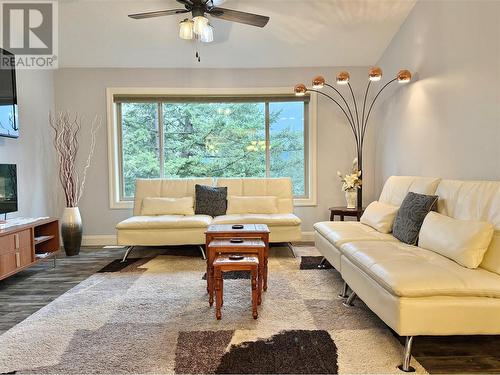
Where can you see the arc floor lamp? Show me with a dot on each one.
(357, 121)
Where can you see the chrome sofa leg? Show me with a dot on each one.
(407, 356)
(129, 249)
(322, 263)
(291, 249)
(349, 301)
(202, 252)
(343, 294)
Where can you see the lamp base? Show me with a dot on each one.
(360, 198)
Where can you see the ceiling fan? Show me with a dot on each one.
(199, 27)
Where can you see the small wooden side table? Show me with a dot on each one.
(223, 263)
(344, 211)
(248, 246)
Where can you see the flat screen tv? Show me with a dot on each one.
(9, 126)
(8, 188)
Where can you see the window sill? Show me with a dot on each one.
(122, 205)
(305, 202)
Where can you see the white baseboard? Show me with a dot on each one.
(110, 239)
(99, 240)
(307, 236)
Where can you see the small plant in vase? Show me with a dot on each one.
(350, 184)
(66, 133)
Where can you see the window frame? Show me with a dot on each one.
(117, 201)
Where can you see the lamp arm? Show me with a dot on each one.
(355, 108)
(364, 105)
(342, 96)
(343, 110)
(371, 107)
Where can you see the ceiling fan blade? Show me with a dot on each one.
(241, 17)
(158, 13)
(186, 2)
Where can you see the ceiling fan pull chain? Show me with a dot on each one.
(198, 56)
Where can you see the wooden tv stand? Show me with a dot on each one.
(22, 246)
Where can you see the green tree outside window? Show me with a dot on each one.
(213, 140)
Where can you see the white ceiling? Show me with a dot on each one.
(98, 33)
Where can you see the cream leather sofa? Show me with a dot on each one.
(413, 290)
(165, 230)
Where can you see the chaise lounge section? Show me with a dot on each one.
(417, 291)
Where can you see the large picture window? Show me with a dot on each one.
(211, 136)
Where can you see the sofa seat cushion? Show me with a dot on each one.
(409, 271)
(272, 220)
(165, 222)
(340, 232)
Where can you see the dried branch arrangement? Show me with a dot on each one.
(66, 132)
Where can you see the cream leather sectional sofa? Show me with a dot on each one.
(413, 290)
(164, 230)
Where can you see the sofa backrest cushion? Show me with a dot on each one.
(474, 200)
(379, 216)
(278, 187)
(397, 187)
(238, 204)
(165, 188)
(464, 241)
(167, 206)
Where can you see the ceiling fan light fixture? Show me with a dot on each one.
(186, 29)
(200, 24)
(207, 36)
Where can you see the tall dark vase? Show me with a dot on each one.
(71, 231)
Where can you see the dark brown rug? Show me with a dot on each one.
(312, 263)
(288, 352)
(130, 265)
(134, 264)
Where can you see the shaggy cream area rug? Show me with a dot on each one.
(155, 318)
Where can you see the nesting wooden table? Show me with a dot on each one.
(226, 263)
(255, 240)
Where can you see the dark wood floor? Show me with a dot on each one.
(24, 293)
(459, 354)
(27, 291)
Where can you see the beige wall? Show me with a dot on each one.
(32, 151)
(447, 121)
(83, 91)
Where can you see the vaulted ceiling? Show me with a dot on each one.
(98, 33)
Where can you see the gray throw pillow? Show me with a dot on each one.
(210, 200)
(411, 215)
